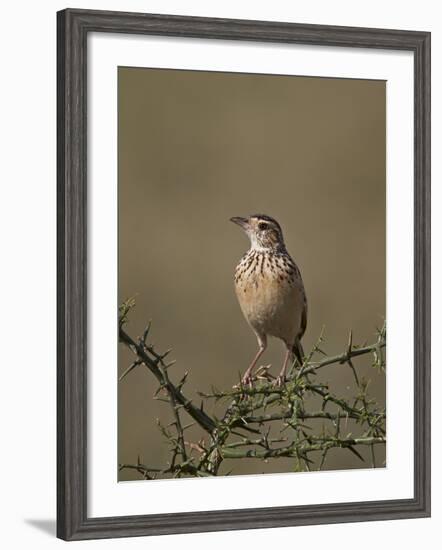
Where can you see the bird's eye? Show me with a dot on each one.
(262, 226)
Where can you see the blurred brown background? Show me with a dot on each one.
(196, 148)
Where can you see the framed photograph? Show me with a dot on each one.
(243, 274)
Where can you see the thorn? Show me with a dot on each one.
(163, 399)
(127, 371)
(183, 380)
(147, 330)
(350, 341)
(188, 425)
(166, 353)
(160, 387)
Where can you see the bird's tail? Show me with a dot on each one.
(298, 351)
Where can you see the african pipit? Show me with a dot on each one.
(270, 291)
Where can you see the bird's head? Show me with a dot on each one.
(264, 232)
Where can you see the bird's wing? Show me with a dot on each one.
(303, 319)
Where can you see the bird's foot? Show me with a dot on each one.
(247, 381)
(280, 381)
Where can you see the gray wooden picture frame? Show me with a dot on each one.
(73, 27)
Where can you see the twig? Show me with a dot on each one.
(247, 407)
(291, 450)
(152, 364)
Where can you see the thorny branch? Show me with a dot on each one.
(245, 412)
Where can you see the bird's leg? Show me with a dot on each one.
(280, 380)
(247, 378)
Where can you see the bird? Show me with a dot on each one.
(270, 292)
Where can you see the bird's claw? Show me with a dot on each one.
(247, 382)
(280, 381)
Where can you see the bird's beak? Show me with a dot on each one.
(242, 222)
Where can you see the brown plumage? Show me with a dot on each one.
(270, 290)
